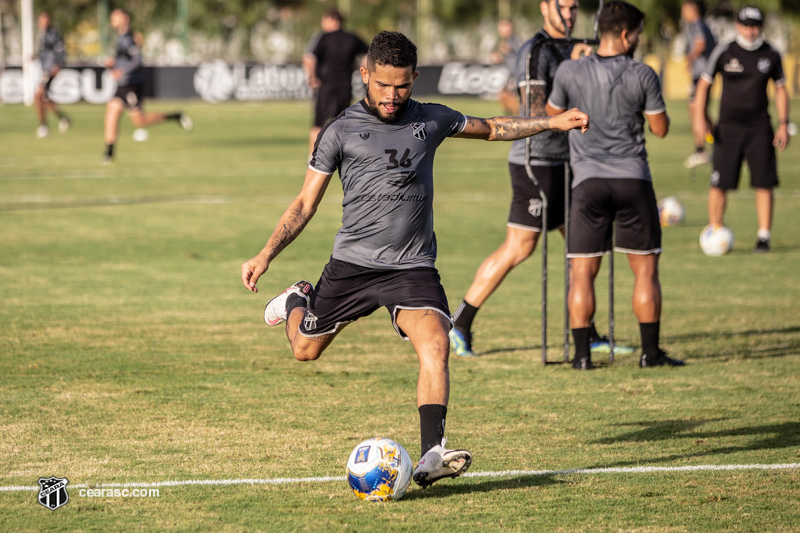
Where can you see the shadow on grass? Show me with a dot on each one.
(512, 482)
(771, 437)
(786, 346)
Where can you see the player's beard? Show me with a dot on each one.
(374, 109)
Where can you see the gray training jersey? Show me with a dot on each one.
(129, 59)
(387, 176)
(51, 50)
(614, 92)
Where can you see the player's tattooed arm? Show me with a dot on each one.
(291, 224)
(513, 128)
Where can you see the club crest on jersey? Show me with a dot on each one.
(364, 136)
(763, 65)
(310, 321)
(734, 66)
(53, 492)
(419, 131)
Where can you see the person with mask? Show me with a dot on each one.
(744, 129)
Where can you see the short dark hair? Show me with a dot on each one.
(334, 14)
(392, 48)
(617, 16)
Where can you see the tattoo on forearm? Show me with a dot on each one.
(293, 224)
(512, 128)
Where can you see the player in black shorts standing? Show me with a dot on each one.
(126, 69)
(384, 254)
(612, 190)
(329, 67)
(743, 130)
(51, 58)
(699, 44)
(548, 164)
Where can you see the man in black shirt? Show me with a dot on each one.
(744, 130)
(329, 67)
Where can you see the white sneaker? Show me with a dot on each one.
(440, 462)
(186, 123)
(697, 159)
(275, 311)
(63, 125)
(42, 131)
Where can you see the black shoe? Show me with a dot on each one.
(762, 246)
(661, 359)
(584, 363)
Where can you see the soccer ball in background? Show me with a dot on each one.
(716, 240)
(379, 470)
(670, 211)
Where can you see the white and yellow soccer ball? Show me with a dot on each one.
(670, 211)
(716, 240)
(379, 470)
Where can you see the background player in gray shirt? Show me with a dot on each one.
(549, 155)
(612, 189)
(699, 44)
(384, 254)
(51, 56)
(127, 72)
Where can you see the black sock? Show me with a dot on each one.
(464, 316)
(593, 334)
(431, 425)
(294, 300)
(581, 337)
(110, 150)
(649, 332)
(173, 116)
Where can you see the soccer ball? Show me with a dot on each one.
(379, 470)
(670, 211)
(140, 135)
(716, 240)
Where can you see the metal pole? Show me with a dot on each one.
(102, 27)
(567, 191)
(526, 106)
(26, 27)
(611, 302)
(183, 24)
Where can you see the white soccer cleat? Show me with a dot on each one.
(697, 159)
(64, 124)
(186, 123)
(275, 311)
(440, 462)
(42, 132)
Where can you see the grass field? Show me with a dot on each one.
(130, 352)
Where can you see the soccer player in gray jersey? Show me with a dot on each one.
(127, 72)
(51, 58)
(548, 165)
(384, 254)
(612, 182)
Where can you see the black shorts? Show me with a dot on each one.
(734, 143)
(131, 95)
(526, 202)
(346, 292)
(629, 203)
(330, 101)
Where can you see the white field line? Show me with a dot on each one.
(505, 473)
